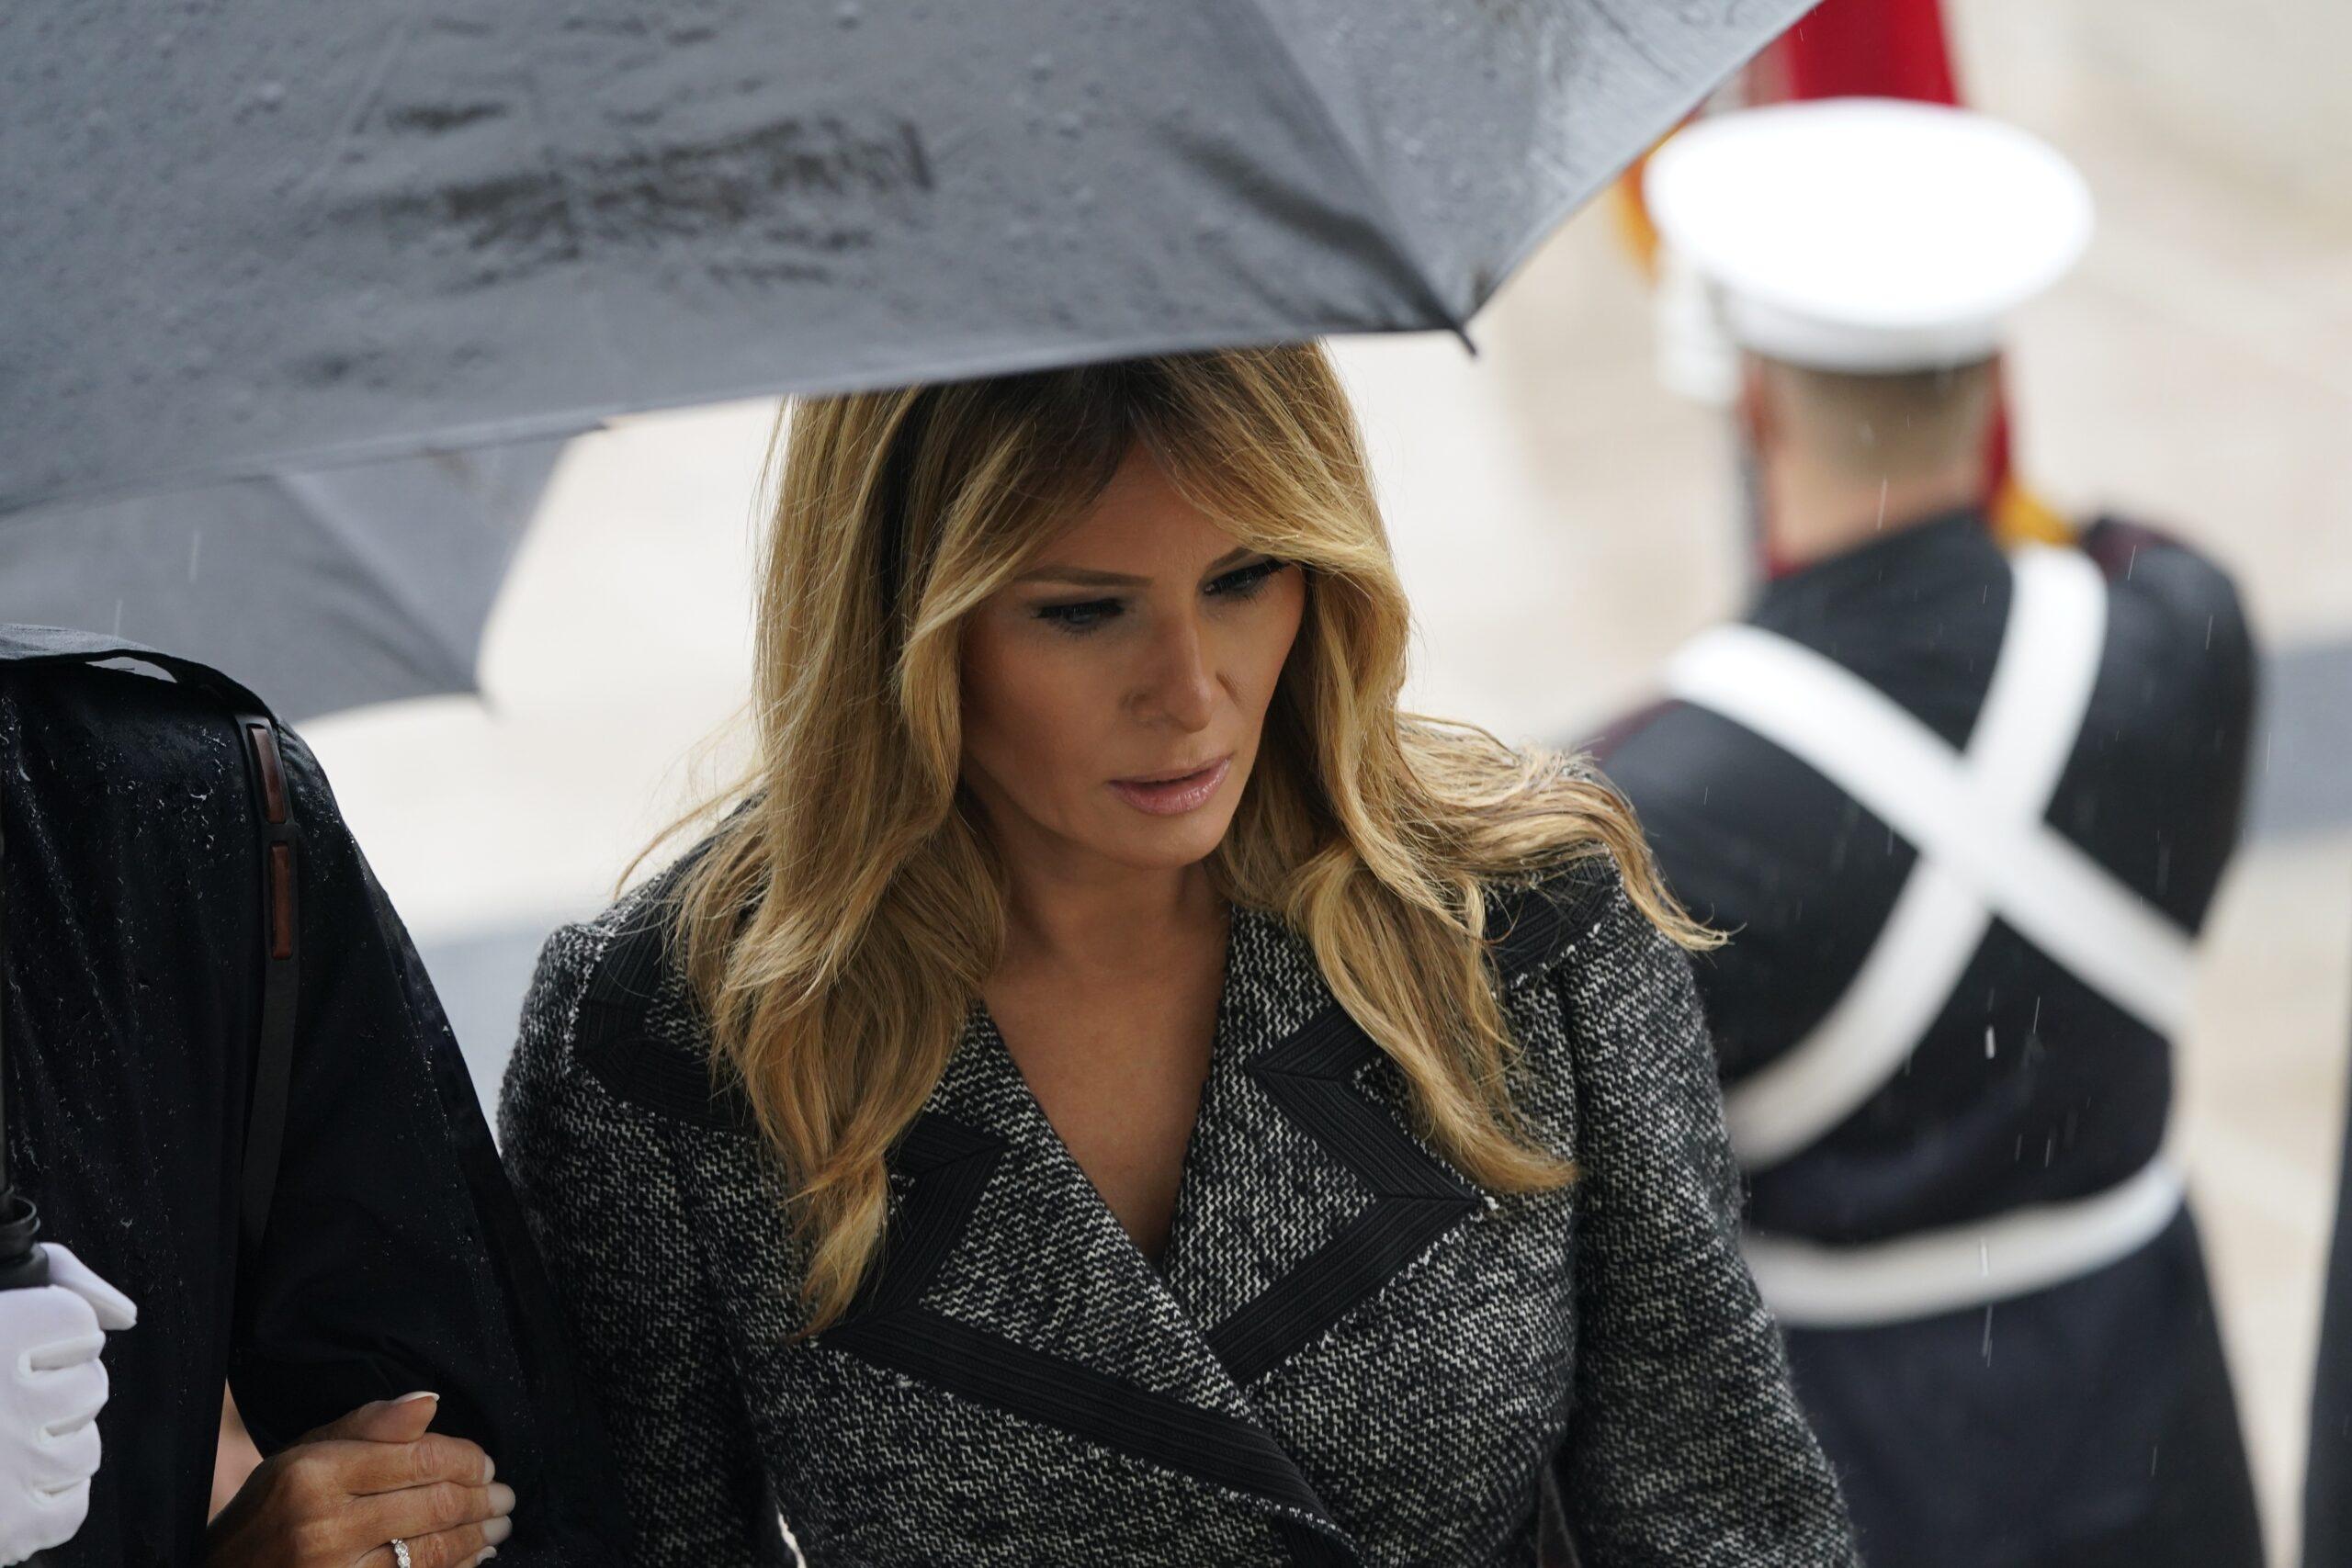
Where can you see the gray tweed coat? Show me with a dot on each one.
(1347, 1353)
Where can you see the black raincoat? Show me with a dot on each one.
(2090, 1422)
(394, 1257)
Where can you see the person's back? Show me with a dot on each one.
(1961, 811)
(393, 1258)
(1993, 1427)
(1804, 876)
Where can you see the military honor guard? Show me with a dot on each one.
(1961, 811)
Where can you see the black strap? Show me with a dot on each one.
(281, 924)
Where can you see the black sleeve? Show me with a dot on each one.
(396, 1257)
(2156, 790)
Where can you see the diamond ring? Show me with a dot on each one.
(400, 1553)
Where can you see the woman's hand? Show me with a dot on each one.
(339, 1498)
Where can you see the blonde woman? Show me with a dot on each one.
(1115, 1090)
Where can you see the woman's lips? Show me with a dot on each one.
(1173, 797)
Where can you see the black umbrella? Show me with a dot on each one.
(253, 235)
(322, 589)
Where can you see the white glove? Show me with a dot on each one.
(51, 1385)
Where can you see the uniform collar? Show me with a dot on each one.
(1895, 571)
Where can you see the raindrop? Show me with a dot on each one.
(1988, 1041)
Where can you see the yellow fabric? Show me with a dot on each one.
(2020, 517)
(1634, 230)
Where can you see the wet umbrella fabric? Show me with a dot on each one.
(266, 233)
(323, 589)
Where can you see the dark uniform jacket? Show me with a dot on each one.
(2090, 1422)
(2327, 1487)
(1347, 1353)
(394, 1257)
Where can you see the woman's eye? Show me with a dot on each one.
(1082, 618)
(1242, 584)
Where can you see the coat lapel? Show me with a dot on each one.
(1307, 1191)
(1007, 1279)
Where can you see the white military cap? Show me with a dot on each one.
(1867, 234)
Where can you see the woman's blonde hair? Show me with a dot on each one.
(837, 927)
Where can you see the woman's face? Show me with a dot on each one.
(1115, 693)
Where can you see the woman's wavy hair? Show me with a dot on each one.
(836, 927)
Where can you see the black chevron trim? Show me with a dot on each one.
(1415, 1199)
(1311, 1076)
(616, 1041)
(1533, 926)
(950, 1164)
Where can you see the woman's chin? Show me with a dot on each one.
(1166, 843)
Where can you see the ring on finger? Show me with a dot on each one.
(400, 1553)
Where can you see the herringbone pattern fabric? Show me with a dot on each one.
(1347, 1356)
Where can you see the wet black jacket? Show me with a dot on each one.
(2327, 1487)
(394, 1257)
(2091, 1422)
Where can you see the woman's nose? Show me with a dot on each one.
(1183, 687)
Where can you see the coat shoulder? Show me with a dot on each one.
(1538, 924)
(610, 1002)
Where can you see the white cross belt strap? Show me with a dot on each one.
(1809, 1286)
(1977, 822)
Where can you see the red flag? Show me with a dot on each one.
(1877, 49)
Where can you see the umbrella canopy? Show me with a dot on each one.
(321, 589)
(261, 233)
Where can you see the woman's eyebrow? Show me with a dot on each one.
(1086, 577)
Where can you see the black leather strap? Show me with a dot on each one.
(280, 873)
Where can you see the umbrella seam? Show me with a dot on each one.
(319, 504)
(1386, 220)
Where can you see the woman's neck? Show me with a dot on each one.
(1106, 920)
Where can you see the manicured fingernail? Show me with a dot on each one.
(501, 1498)
(487, 1553)
(420, 1393)
(497, 1529)
(489, 1469)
